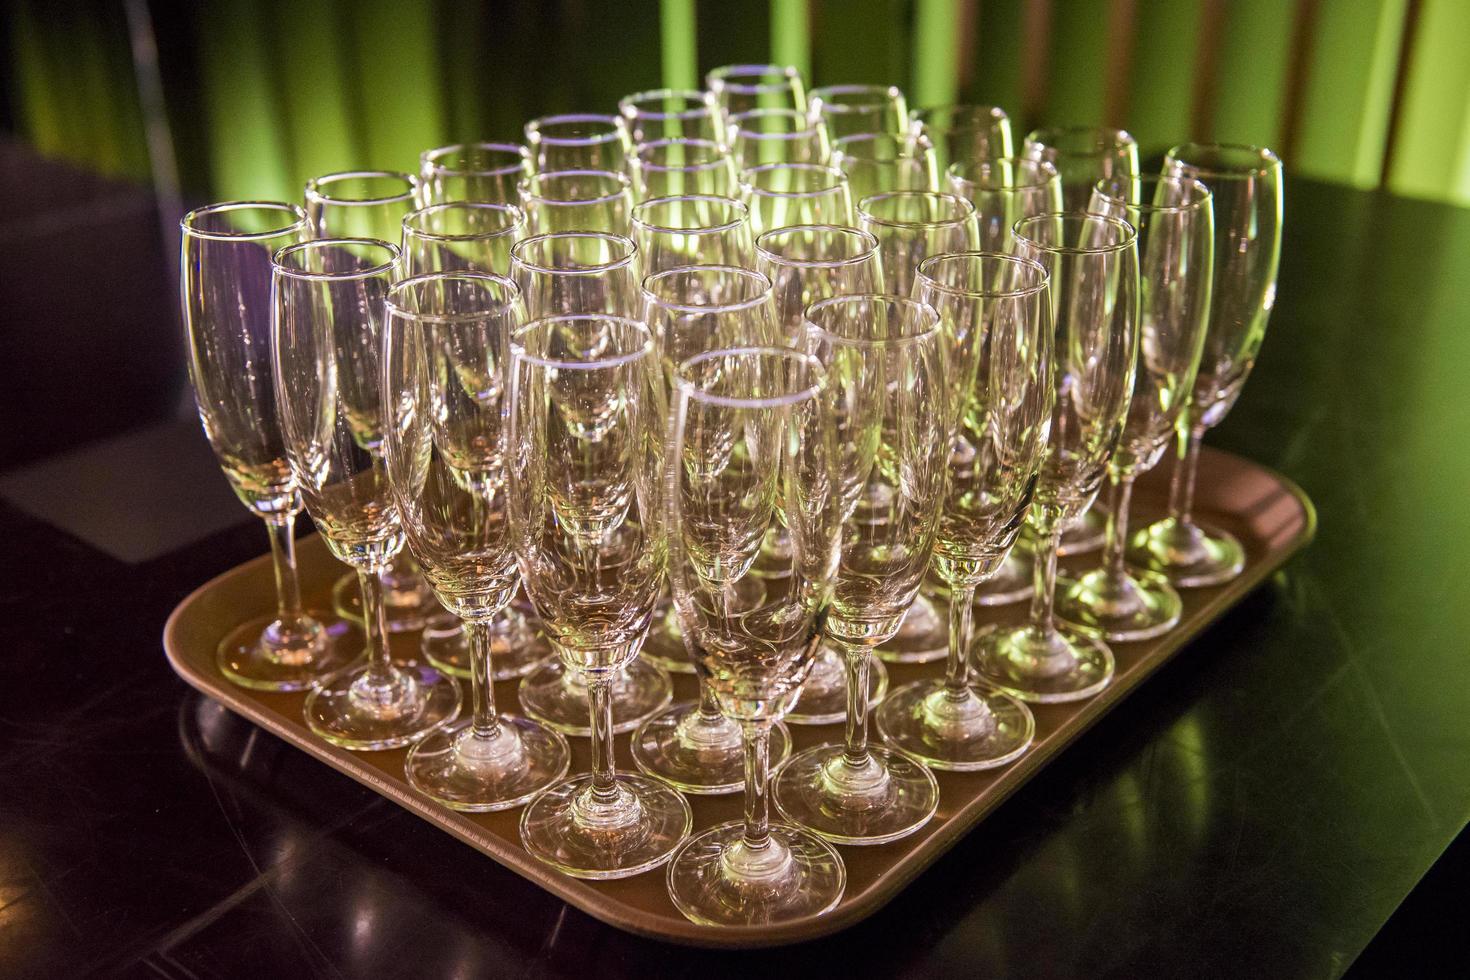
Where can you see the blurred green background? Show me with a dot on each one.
(248, 98)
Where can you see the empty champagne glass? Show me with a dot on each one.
(665, 114)
(763, 136)
(680, 168)
(884, 360)
(577, 272)
(741, 88)
(1245, 184)
(689, 311)
(694, 230)
(576, 141)
(444, 348)
(996, 318)
(577, 200)
(327, 351)
(225, 263)
(584, 496)
(845, 110)
(965, 134)
(486, 172)
(1083, 155)
(1004, 190)
(750, 438)
(1092, 261)
(1176, 244)
(780, 195)
(879, 162)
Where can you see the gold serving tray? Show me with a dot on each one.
(1271, 516)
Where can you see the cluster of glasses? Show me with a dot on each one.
(750, 383)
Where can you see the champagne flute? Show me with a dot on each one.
(780, 195)
(445, 339)
(965, 134)
(741, 88)
(576, 141)
(225, 278)
(464, 236)
(1176, 243)
(1245, 183)
(576, 272)
(751, 435)
(997, 325)
(485, 172)
(327, 346)
(844, 110)
(666, 113)
(682, 167)
(694, 230)
(372, 204)
(1093, 264)
(884, 360)
(879, 162)
(584, 497)
(763, 136)
(689, 311)
(577, 200)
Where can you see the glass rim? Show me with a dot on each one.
(518, 250)
(1004, 258)
(624, 186)
(692, 391)
(719, 159)
(535, 129)
(869, 240)
(738, 272)
(1193, 183)
(833, 172)
(867, 215)
(780, 77)
(323, 243)
(822, 94)
(742, 214)
(628, 104)
(911, 145)
(429, 159)
(413, 282)
(298, 222)
(923, 115)
(1115, 139)
(809, 127)
(1048, 170)
(1269, 162)
(314, 187)
(852, 299)
(518, 347)
(518, 218)
(1130, 233)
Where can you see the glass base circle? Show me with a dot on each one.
(715, 880)
(264, 655)
(1139, 606)
(451, 766)
(922, 638)
(1064, 665)
(665, 644)
(823, 698)
(348, 711)
(983, 730)
(889, 798)
(557, 696)
(638, 830)
(1086, 533)
(406, 610)
(516, 646)
(699, 755)
(1190, 556)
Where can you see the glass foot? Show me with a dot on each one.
(922, 638)
(982, 729)
(637, 829)
(350, 710)
(516, 645)
(265, 654)
(665, 644)
(888, 797)
(556, 696)
(454, 767)
(1086, 533)
(1137, 606)
(698, 753)
(1064, 665)
(406, 609)
(823, 698)
(716, 879)
(1191, 556)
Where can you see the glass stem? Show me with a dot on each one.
(961, 613)
(484, 722)
(604, 772)
(283, 560)
(1120, 497)
(757, 779)
(375, 624)
(1044, 579)
(1181, 489)
(858, 663)
(709, 706)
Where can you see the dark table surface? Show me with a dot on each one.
(1259, 808)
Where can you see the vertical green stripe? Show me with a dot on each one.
(246, 143)
(1431, 157)
(791, 35)
(678, 44)
(316, 121)
(936, 53)
(998, 60)
(1252, 67)
(1079, 63)
(1166, 34)
(398, 95)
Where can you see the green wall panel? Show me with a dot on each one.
(317, 126)
(935, 59)
(1161, 91)
(1079, 63)
(247, 148)
(396, 89)
(997, 60)
(1432, 155)
(861, 42)
(1252, 73)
